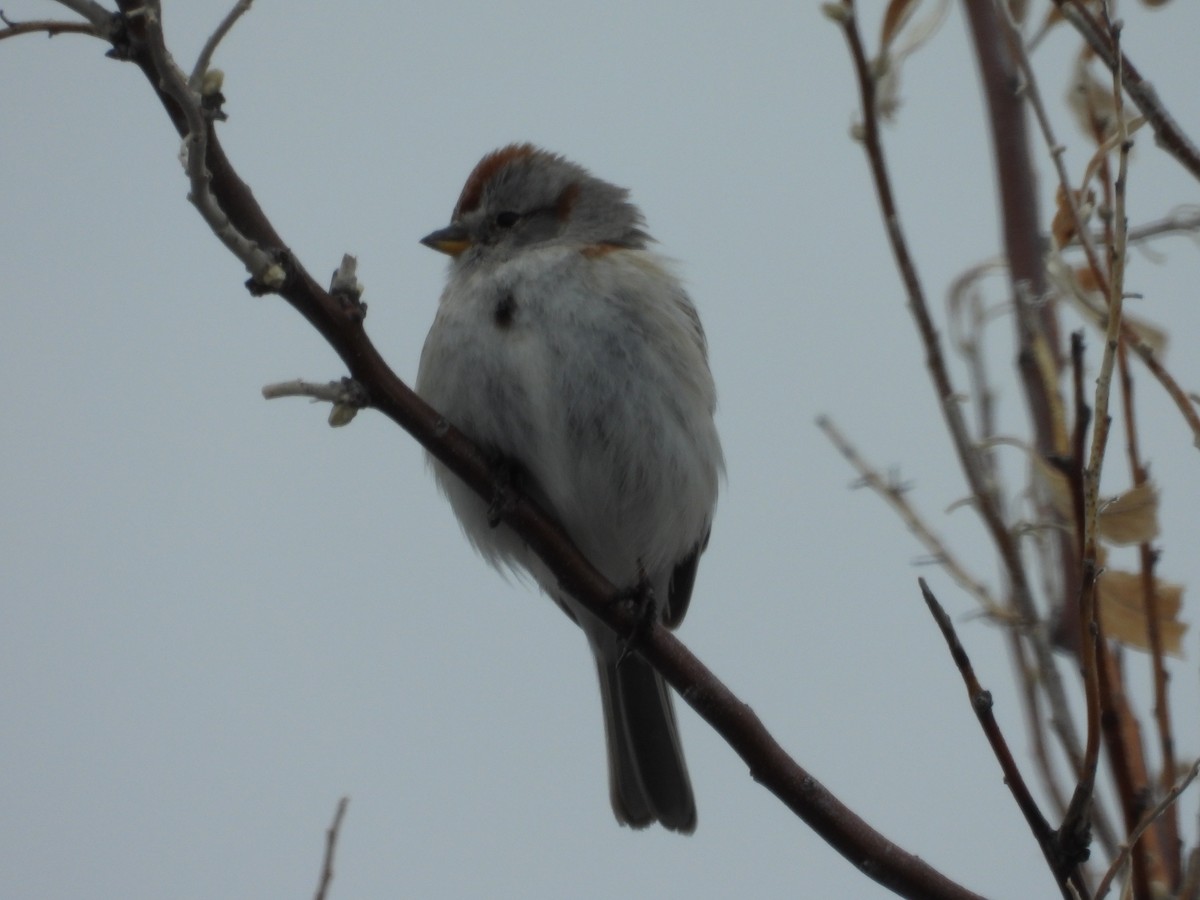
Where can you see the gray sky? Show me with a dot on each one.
(217, 615)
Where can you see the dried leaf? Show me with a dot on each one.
(1150, 335)
(1079, 287)
(1046, 362)
(1086, 278)
(1063, 226)
(894, 18)
(1057, 486)
(1122, 611)
(1131, 517)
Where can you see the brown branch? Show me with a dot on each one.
(1037, 328)
(1167, 825)
(1127, 764)
(331, 836)
(1031, 91)
(986, 502)
(200, 69)
(1122, 730)
(1075, 830)
(1066, 872)
(49, 28)
(1167, 803)
(1167, 132)
(340, 322)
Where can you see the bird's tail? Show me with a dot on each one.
(647, 776)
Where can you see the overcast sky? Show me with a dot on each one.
(218, 615)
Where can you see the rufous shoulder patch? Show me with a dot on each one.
(593, 251)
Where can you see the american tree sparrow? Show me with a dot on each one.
(567, 347)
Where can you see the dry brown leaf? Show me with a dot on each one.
(1058, 487)
(1086, 278)
(1131, 517)
(1128, 518)
(898, 12)
(1122, 611)
(1080, 287)
(1150, 335)
(1063, 227)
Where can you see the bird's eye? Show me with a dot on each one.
(506, 219)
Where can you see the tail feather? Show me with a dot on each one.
(648, 777)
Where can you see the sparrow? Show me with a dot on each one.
(567, 347)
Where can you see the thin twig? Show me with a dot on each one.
(1034, 95)
(214, 39)
(1037, 336)
(1184, 220)
(329, 392)
(1169, 135)
(331, 836)
(1168, 825)
(981, 703)
(1074, 833)
(346, 395)
(262, 267)
(948, 397)
(48, 27)
(894, 496)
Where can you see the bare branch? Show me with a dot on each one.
(331, 836)
(1168, 826)
(210, 46)
(346, 395)
(986, 502)
(1170, 136)
(981, 703)
(100, 26)
(264, 269)
(1030, 87)
(221, 193)
(1184, 220)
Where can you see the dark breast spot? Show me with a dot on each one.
(505, 310)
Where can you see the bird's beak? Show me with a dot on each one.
(451, 240)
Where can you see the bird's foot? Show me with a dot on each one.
(645, 606)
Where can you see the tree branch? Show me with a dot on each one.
(331, 836)
(1065, 871)
(50, 28)
(982, 491)
(1169, 135)
(339, 319)
(200, 69)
